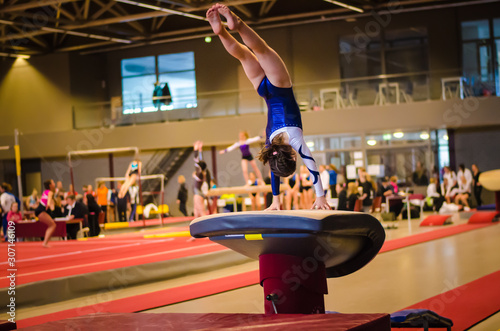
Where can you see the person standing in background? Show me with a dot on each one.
(477, 187)
(33, 200)
(134, 201)
(333, 180)
(6, 201)
(122, 204)
(182, 195)
(94, 211)
(325, 178)
(102, 199)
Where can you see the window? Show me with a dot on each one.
(480, 56)
(158, 83)
(391, 52)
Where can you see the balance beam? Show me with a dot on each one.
(297, 250)
(218, 191)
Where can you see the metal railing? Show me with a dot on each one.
(381, 90)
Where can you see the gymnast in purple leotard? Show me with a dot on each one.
(269, 76)
(246, 156)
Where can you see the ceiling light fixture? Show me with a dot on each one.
(424, 135)
(341, 4)
(17, 56)
(398, 135)
(166, 10)
(371, 142)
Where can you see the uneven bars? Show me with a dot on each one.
(117, 179)
(238, 190)
(98, 151)
(105, 151)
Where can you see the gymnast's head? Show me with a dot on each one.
(202, 164)
(280, 155)
(243, 135)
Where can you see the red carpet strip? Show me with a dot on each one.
(466, 305)
(431, 235)
(152, 300)
(94, 256)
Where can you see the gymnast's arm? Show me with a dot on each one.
(253, 140)
(297, 141)
(230, 148)
(275, 185)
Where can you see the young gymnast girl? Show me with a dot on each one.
(246, 156)
(269, 76)
(201, 175)
(43, 211)
(133, 171)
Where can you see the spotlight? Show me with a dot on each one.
(371, 142)
(208, 39)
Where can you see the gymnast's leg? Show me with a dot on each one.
(128, 182)
(248, 60)
(244, 168)
(273, 66)
(51, 227)
(257, 171)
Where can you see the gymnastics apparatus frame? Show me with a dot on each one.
(162, 189)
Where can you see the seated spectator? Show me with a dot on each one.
(434, 199)
(386, 189)
(74, 209)
(352, 195)
(451, 183)
(14, 215)
(342, 196)
(463, 192)
(33, 200)
(419, 177)
(394, 183)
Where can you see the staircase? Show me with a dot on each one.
(163, 162)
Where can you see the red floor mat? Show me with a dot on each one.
(466, 305)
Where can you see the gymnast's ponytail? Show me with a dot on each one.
(281, 157)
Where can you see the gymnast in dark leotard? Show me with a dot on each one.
(201, 175)
(269, 76)
(133, 172)
(246, 156)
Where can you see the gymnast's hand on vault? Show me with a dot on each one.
(321, 203)
(275, 205)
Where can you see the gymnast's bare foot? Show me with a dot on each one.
(214, 19)
(46, 246)
(233, 21)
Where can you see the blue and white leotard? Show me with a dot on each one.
(283, 115)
